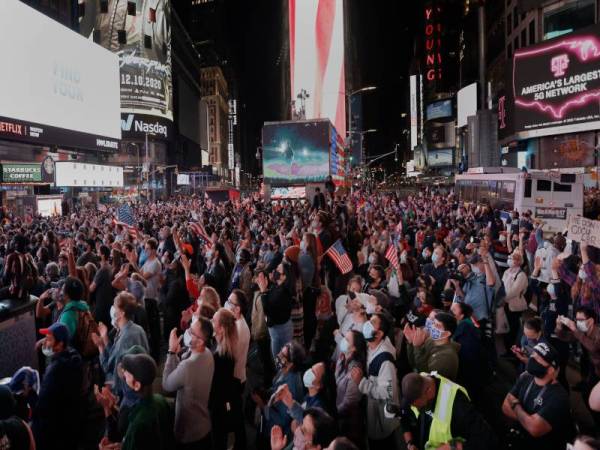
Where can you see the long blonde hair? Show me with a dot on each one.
(228, 342)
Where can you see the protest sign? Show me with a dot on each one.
(583, 230)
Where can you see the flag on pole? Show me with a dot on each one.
(392, 256)
(126, 220)
(198, 229)
(340, 257)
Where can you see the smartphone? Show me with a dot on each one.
(352, 295)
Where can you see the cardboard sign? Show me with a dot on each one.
(583, 230)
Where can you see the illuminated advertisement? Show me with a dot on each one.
(439, 109)
(27, 173)
(556, 85)
(433, 43)
(140, 34)
(437, 158)
(285, 193)
(296, 152)
(414, 128)
(57, 88)
(317, 60)
(87, 175)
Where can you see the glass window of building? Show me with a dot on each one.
(515, 18)
(508, 23)
(524, 37)
(569, 16)
(516, 44)
(532, 32)
(509, 51)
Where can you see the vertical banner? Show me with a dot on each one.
(139, 32)
(317, 60)
(414, 120)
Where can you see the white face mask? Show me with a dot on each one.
(309, 378)
(371, 308)
(47, 351)
(582, 326)
(113, 316)
(187, 338)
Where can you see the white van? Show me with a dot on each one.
(551, 196)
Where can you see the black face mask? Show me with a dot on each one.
(276, 276)
(535, 368)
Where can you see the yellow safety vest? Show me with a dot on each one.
(440, 432)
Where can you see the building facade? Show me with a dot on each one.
(214, 92)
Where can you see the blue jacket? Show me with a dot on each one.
(277, 413)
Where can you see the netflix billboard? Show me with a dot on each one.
(556, 85)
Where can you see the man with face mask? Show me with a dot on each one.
(241, 276)
(60, 393)
(191, 378)
(379, 384)
(437, 269)
(431, 349)
(125, 334)
(478, 288)
(586, 331)
(150, 422)
(539, 404)
(436, 413)
(102, 288)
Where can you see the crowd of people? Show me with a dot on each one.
(434, 325)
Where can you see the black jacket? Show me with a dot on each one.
(59, 409)
(277, 305)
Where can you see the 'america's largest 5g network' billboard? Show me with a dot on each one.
(140, 34)
(317, 60)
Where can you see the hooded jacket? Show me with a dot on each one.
(380, 388)
(430, 357)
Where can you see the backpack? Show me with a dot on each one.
(86, 326)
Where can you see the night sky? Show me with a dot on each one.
(383, 35)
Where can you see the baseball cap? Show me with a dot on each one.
(141, 366)
(548, 353)
(58, 330)
(415, 319)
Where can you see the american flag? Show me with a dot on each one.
(392, 256)
(198, 229)
(340, 257)
(125, 219)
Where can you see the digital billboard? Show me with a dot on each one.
(466, 104)
(439, 109)
(140, 34)
(437, 158)
(317, 60)
(556, 85)
(56, 87)
(296, 152)
(87, 175)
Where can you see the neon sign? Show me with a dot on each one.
(433, 44)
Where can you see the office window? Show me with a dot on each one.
(532, 32)
(570, 16)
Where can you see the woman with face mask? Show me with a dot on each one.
(125, 334)
(353, 353)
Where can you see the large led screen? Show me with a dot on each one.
(317, 60)
(439, 109)
(295, 152)
(556, 85)
(87, 175)
(56, 87)
(140, 34)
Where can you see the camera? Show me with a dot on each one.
(456, 275)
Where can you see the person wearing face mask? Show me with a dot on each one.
(241, 276)
(353, 353)
(150, 421)
(515, 283)
(124, 335)
(436, 414)
(377, 279)
(318, 431)
(532, 335)
(313, 382)
(175, 298)
(59, 398)
(424, 257)
(539, 405)
(350, 311)
(288, 364)
(437, 270)
(191, 378)
(379, 382)
(478, 289)
(586, 331)
(277, 306)
(431, 348)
